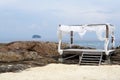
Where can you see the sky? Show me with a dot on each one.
(20, 19)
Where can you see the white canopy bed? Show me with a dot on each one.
(99, 29)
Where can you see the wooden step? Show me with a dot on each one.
(89, 64)
(90, 61)
(90, 58)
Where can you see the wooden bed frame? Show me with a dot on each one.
(108, 30)
(106, 41)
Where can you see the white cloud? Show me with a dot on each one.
(77, 13)
(88, 11)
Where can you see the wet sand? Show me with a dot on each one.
(66, 72)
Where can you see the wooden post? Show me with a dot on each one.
(107, 31)
(107, 36)
(71, 38)
(112, 40)
(60, 41)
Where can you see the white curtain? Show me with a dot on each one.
(81, 30)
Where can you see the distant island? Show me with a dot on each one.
(36, 36)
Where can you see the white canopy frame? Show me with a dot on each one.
(82, 29)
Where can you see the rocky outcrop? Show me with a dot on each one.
(27, 53)
(27, 50)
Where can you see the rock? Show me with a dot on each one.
(17, 56)
(13, 68)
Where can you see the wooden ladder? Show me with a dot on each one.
(90, 58)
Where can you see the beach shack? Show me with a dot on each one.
(87, 56)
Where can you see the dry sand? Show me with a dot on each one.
(66, 72)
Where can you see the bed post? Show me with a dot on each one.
(107, 36)
(107, 31)
(106, 44)
(113, 40)
(71, 38)
(59, 46)
(60, 42)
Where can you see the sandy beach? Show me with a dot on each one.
(66, 72)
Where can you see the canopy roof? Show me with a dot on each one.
(82, 29)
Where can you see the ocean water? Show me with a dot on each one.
(95, 44)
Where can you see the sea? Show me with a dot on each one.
(85, 43)
(94, 44)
